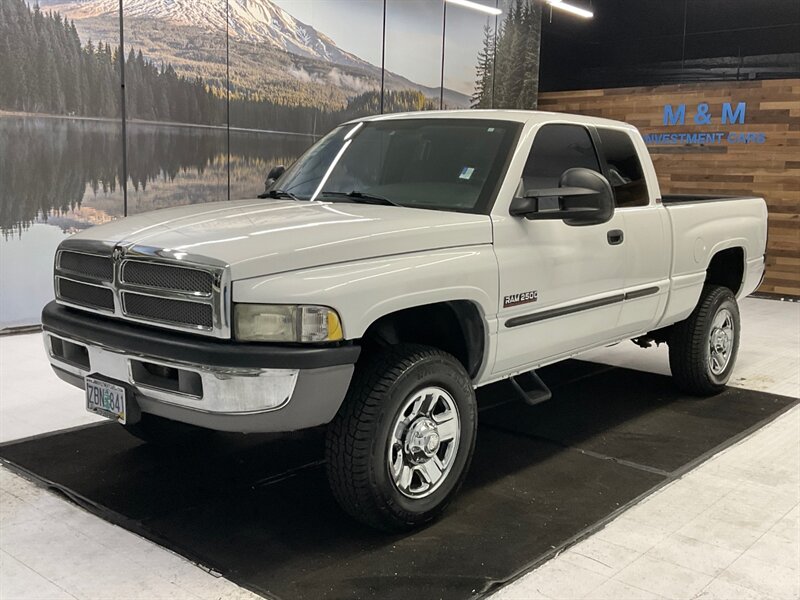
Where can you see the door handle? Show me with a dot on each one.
(615, 237)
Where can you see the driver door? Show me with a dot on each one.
(561, 286)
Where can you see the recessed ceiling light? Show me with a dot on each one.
(475, 6)
(561, 5)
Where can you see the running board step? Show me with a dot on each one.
(531, 388)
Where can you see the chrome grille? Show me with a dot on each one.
(167, 310)
(148, 285)
(92, 296)
(92, 266)
(168, 277)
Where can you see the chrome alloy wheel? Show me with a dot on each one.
(721, 341)
(424, 442)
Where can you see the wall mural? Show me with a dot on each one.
(508, 63)
(217, 92)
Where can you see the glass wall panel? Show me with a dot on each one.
(302, 67)
(516, 62)
(60, 141)
(469, 52)
(414, 57)
(175, 82)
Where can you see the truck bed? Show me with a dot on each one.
(700, 229)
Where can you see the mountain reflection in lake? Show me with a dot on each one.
(66, 172)
(51, 166)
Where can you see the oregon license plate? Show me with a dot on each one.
(105, 399)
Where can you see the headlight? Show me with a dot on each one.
(286, 323)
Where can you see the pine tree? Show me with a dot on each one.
(513, 79)
(131, 85)
(512, 84)
(74, 73)
(502, 61)
(530, 84)
(9, 72)
(482, 98)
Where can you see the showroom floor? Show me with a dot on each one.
(728, 529)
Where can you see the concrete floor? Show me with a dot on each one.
(728, 529)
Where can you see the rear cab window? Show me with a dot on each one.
(624, 170)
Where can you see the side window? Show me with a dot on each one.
(555, 149)
(624, 170)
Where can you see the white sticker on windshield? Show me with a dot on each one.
(466, 173)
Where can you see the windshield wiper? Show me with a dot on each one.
(356, 196)
(278, 194)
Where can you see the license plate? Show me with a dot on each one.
(105, 399)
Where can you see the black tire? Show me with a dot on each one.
(690, 344)
(359, 438)
(163, 432)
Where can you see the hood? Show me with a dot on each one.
(265, 237)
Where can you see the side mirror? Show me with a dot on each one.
(585, 197)
(273, 176)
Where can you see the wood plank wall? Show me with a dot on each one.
(770, 170)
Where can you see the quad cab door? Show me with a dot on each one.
(561, 285)
(646, 227)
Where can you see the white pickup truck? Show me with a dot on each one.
(401, 263)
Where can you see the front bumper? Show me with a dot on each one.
(218, 384)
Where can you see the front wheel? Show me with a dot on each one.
(399, 447)
(703, 347)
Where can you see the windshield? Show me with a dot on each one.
(443, 164)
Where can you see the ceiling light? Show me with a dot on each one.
(475, 6)
(560, 4)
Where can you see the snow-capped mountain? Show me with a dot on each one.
(259, 21)
(259, 31)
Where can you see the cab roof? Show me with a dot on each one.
(534, 117)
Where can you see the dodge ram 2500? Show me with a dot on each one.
(402, 262)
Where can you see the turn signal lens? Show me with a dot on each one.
(286, 323)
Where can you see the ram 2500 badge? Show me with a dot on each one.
(401, 263)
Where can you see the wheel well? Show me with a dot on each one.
(456, 327)
(727, 269)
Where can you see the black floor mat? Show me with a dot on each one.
(257, 508)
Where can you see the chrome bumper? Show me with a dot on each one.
(222, 389)
(223, 398)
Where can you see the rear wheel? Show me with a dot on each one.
(400, 446)
(703, 347)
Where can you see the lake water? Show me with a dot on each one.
(61, 175)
